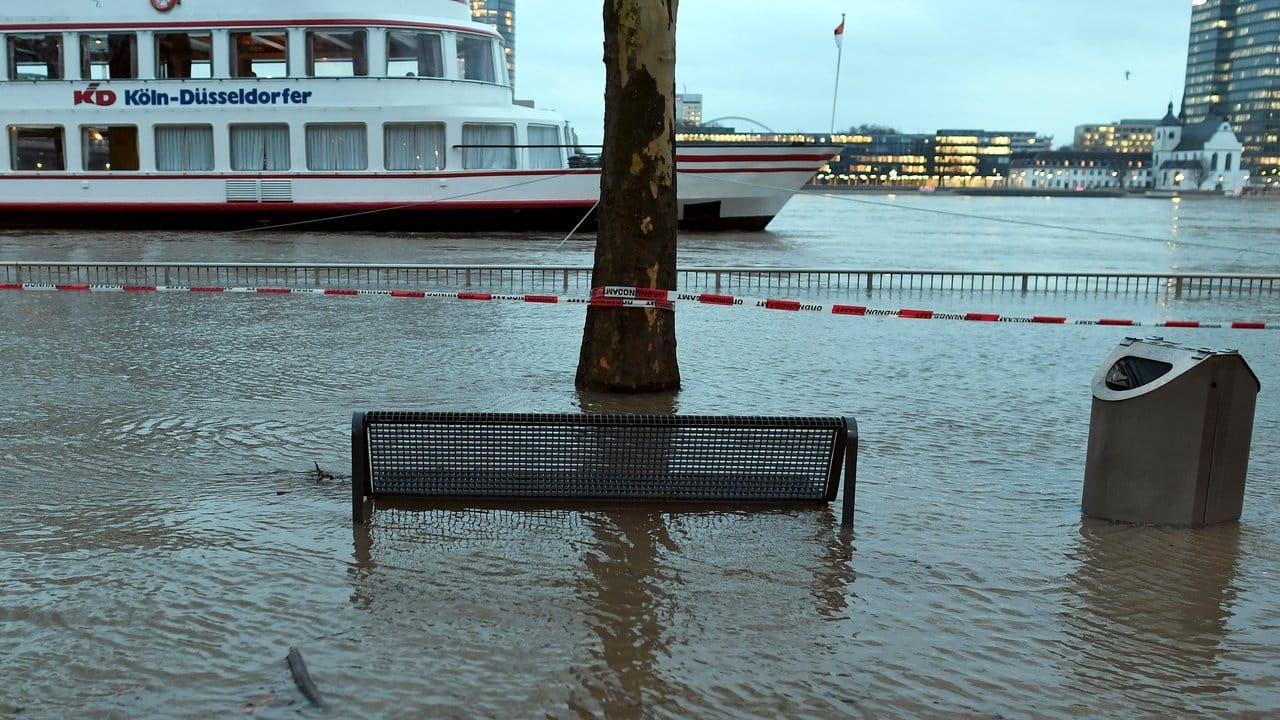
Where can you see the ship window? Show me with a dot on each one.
(36, 148)
(259, 147)
(184, 147)
(184, 55)
(106, 56)
(35, 57)
(414, 146)
(259, 54)
(548, 155)
(337, 147)
(488, 146)
(475, 58)
(414, 53)
(337, 53)
(111, 147)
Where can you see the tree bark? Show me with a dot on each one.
(628, 349)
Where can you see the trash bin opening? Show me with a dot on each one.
(1133, 372)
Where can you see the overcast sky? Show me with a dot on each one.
(915, 65)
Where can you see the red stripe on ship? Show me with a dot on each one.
(1182, 324)
(140, 288)
(72, 288)
(791, 305)
(982, 317)
(848, 310)
(915, 314)
(1049, 319)
(10, 286)
(1113, 321)
(1248, 326)
(541, 299)
(340, 291)
(273, 291)
(408, 293)
(475, 296)
(790, 157)
(206, 289)
(712, 299)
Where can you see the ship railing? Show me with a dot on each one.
(575, 279)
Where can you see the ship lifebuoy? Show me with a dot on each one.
(164, 5)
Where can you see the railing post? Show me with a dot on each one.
(1177, 291)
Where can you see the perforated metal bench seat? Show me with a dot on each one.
(606, 458)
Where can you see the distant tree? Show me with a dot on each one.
(626, 349)
(872, 129)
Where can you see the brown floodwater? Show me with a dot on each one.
(167, 538)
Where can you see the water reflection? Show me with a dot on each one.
(1152, 614)
(657, 403)
(627, 593)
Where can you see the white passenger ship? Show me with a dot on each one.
(202, 113)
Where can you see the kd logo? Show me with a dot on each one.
(93, 96)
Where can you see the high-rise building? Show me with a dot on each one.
(502, 15)
(1232, 61)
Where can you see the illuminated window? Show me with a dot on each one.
(36, 148)
(113, 147)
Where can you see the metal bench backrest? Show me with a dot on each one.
(606, 457)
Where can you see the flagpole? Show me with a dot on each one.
(839, 55)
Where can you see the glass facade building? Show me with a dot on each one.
(1233, 66)
(502, 15)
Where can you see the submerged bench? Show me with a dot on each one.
(563, 457)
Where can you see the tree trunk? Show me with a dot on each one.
(629, 349)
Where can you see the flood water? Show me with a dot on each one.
(167, 539)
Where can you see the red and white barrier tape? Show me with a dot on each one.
(633, 297)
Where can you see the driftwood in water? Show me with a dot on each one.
(302, 678)
(627, 349)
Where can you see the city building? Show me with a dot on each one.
(501, 14)
(1122, 136)
(688, 110)
(1200, 156)
(1076, 170)
(974, 158)
(1233, 69)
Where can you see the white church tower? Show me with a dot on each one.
(1197, 157)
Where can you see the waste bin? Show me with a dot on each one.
(1169, 434)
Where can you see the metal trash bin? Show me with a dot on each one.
(1169, 434)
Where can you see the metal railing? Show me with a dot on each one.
(566, 279)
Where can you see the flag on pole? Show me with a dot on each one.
(840, 33)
